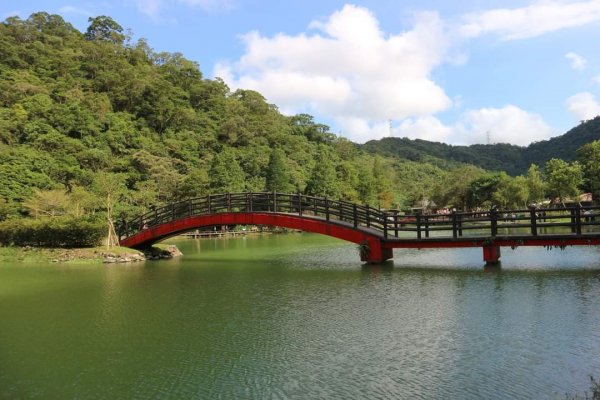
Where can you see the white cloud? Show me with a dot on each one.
(362, 130)
(596, 79)
(152, 8)
(577, 62)
(426, 128)
(509, 124)
(583, 106)
(349, 69)
(346, 68)
(541, 17)
(74, 10)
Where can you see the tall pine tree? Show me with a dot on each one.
(323, 179)
(278, 179)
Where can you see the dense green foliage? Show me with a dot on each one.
(94, 123)
(75, 105)
(589, 158)
(563, 178)
(52, 232)
(512, 159)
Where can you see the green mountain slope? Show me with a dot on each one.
(78, 110)
(564, 146)
(497, 157)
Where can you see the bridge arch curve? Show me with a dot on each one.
(146, 237)
(337, 219)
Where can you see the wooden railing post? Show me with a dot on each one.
(274, 201)
(228, 202)
(250, 201)
(385, 228)
(418, 217)
(354, 216)
(454, 225)
(326, 209)
(494, 221)
(426, 225)
(368, 216)
(573, 220)
(578, 219)
(209, 205)
(299, 204)
(533, 221)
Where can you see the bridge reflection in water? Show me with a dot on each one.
(376, 232)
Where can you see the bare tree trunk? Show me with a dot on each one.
(112, 239)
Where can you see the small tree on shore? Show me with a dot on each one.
(110, 187)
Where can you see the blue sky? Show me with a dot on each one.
(459, 72)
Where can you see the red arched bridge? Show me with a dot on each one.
(376, 232)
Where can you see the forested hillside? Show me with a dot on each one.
(495, 157)
(79, 109)
(96, 124)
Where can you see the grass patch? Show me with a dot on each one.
(88, 255)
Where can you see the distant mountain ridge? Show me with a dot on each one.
(499, 157)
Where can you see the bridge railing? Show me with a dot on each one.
(525, 222)
(299, 204)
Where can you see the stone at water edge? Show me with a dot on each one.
(156, 253)
(174, 251)
(110, 258)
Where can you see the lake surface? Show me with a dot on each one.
(298, 316)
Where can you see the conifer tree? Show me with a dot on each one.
(278, 179)
(323, 180)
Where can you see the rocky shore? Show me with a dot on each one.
(115, 255)
(154, 253)
(111, 258)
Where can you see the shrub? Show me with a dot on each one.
(64, 231)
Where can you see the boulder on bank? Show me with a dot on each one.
(111, 258)
(162, 252)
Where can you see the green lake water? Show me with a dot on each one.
(298, 316)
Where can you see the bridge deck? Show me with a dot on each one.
(447, 240)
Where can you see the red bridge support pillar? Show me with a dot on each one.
(491, 254)
(373, 252)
